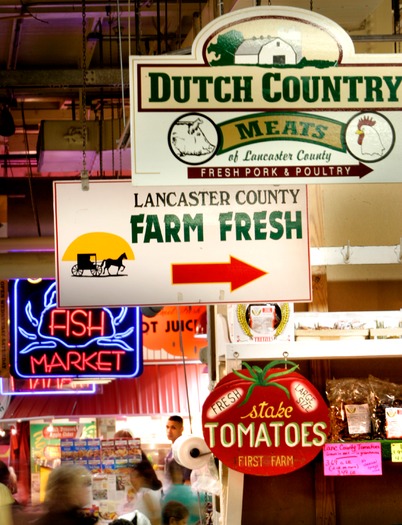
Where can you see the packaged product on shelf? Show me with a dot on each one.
(386, 408)
(86, 452)
(349, 409)
(261, 322)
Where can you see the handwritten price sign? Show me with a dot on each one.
(352, 459)
(396, 452)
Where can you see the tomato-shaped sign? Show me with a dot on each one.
(265, 421)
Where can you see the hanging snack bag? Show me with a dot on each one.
(386, 408)
(349, 409)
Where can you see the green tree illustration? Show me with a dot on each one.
(225, 48)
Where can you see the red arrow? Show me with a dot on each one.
(350, 170)
(237, 273)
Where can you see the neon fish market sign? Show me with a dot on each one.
(54, 342)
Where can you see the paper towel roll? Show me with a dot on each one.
(191, 452)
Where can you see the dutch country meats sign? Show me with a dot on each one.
(265, 421)
(273, 94)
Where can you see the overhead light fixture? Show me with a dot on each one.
(7, 126)
(92, 381)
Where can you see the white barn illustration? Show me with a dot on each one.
(266, 50)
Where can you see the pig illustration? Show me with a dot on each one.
(187, 138)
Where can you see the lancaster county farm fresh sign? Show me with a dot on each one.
(265, 421)
(48, 342)
(180, 245)
(269, 94)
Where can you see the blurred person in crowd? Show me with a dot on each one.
(138, 519)
(129, 504)
(148, 492)
(68, 491)
(178, 491)
(174, 429)
(123, 434)
(127, 434)
(174, 513)
(12, 485)
(8, 477)
(6, 498)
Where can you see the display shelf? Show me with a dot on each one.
(316, 349)
(331, 333)
(386, 448)
(386, 333)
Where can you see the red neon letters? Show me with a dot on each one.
(75, 362)
(79, 323)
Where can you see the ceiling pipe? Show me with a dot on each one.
(27, 265)
(26, 244)
(376, 38)
(15, 44)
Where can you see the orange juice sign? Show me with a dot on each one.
(265, 421)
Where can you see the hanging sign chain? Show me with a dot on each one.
(84, 172)
(285, 357)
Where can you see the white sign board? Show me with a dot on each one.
(117, 245)
(271, 95)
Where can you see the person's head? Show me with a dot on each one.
(121, 521)
(142, 475)
(4, 474)
(174, 428)
(174, 513)
(124, 434)
(67, 488)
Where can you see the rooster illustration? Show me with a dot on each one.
(368, 137)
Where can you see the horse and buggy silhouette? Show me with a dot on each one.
(89, 262)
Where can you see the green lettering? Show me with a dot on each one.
(180, 83)
(305, 128)
(309, 96)
(252, 130)
(242, 85)
(291, 89)
(159, 87)
(224, 227)
(194, 224)
(202, 87)
(153, 229)
(352, 81)
(260, 225)
(135, 227)
(293, 225)
(172, 228)
(277, 229)
(270, 127)
(290, 128)
(373, 89)
(331, 89)
(243, 224)
(218, 89)
(393, 87)
(267, 93)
